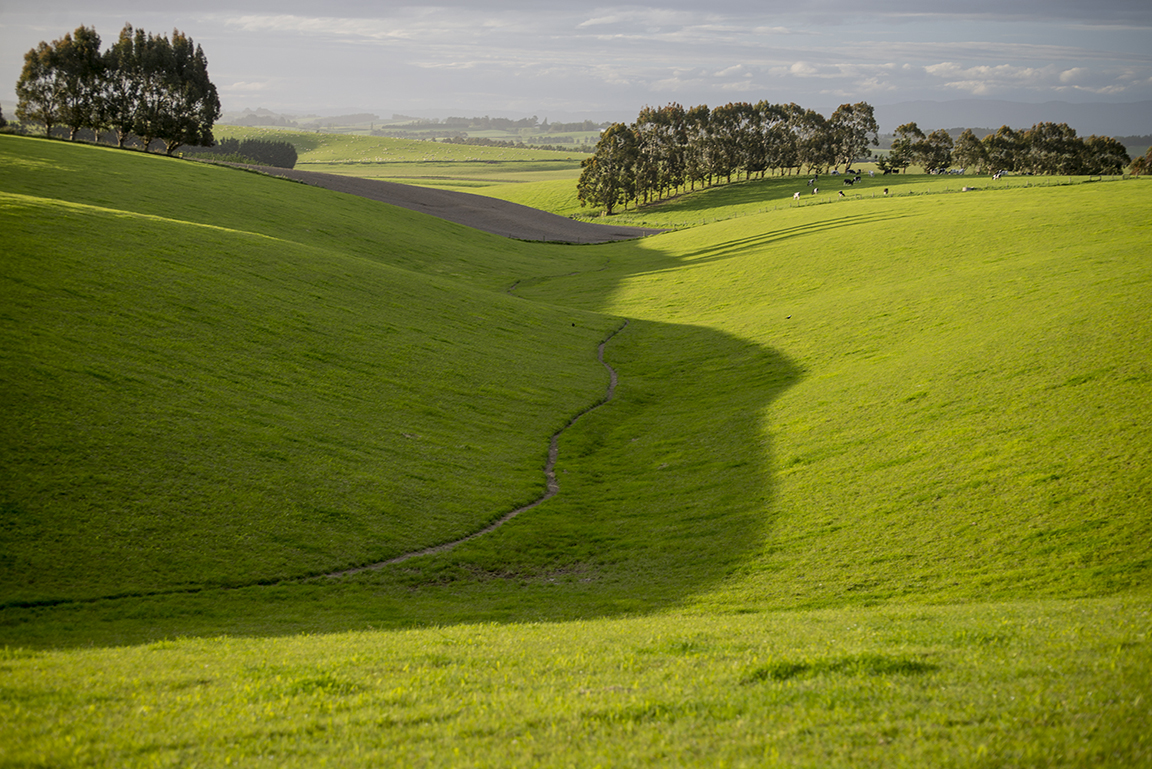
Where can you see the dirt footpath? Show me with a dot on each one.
(499, 217)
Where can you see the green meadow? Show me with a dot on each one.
(413, 161)
(874, 488)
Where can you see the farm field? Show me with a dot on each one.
(410, 161)
(873, 487)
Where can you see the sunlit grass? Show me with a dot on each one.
(873, 489)
(1038, 684)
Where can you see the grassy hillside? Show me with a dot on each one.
(967, 423)
(742, 197)
(873, 489)
(321, 407)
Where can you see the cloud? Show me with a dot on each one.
(245, 88)
(486, 54)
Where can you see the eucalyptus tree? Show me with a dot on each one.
(853, 127)
(123, 81)
(788, 148)
(905, 145)
(675, 137)
(814, 140)
(1142, 164)
(935, 151)
(1004, 149)
(968, 152)
(192, 101)
(772, 135)
(40, 89)
(724, 147)
(660, 150)
(697, 133)
(80, 69)
(608, 177)
(153, 57)
(1104, 155)
(1052, 148)
(646, 131)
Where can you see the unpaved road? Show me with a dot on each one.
(498, 217)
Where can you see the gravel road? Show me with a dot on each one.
(499, 217)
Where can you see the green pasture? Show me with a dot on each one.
(874, 488)
(412, 161)
(344, 148)
(1032, 684)
(745, 197)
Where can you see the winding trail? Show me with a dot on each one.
(553, 486)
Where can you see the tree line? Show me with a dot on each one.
(1045, 148)
(480, 141)
(147, 86)
(671, 147)
(260, 152)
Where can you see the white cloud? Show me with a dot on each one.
(245, 88)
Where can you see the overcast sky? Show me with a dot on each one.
(556, 60)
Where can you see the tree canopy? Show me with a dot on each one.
(671, 147)
(146, 85)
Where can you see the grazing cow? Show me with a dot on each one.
(796, 196)
(872, 174)
(815, 190)
(885, 190)
(849, 182)
(841, 193)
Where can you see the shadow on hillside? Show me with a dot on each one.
(728, 249)
(664, 492)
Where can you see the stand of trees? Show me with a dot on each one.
(479, 141)
(1045, 148)
(672, 147)
(1142, 165)
(144, 85)
(260, 152)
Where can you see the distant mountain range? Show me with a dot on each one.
(1104, 119)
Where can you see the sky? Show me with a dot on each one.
(572, 60)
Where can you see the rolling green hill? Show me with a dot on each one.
(873, 489)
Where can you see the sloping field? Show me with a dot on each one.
(178, 366)
(874, 487)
